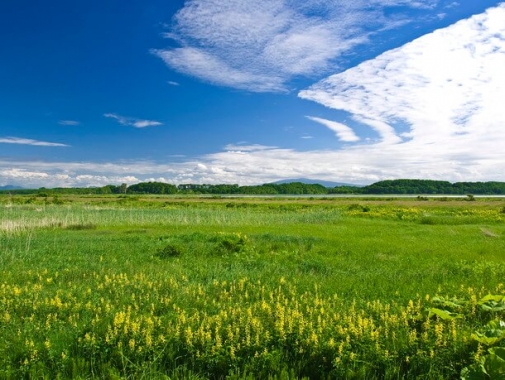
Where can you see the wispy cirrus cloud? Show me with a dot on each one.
(342, 131)
(69, 122)
(132, 122)
(23, 141)
(261, 45)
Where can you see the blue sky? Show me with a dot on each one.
(234, 91)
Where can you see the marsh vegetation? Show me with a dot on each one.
(163, 287)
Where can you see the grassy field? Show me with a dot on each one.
(160, 287)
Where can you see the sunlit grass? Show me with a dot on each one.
(218, 289)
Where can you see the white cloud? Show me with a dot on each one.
(23, 141)
(262, 164)
(245, 148)
(69, 122)
(445, 88)
(132, 122)
(215, 70)
(260, 45)
(17, 174)
(62, 174)
(342, 131)
(145, 123)
(435, 104)
(172, 83)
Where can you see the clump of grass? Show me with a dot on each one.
(266, 243)
(169, 251)
(201, 244)
(227, 243)
(428, 220)
(358, 207)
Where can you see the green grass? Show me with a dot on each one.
(154, 287)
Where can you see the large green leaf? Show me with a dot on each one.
(492, 303)
(451, 303)
(490, 366)
(474, 372)
(494, 363)
(498, 351)
(493, 333)
(443, 314)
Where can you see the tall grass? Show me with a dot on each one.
(17, 218)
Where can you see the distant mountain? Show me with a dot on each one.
(10, 187)
(314, 181)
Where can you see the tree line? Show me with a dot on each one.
(419, 186)
(398, 186)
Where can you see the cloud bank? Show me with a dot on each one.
(260, 45)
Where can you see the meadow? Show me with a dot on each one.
(144, 287)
